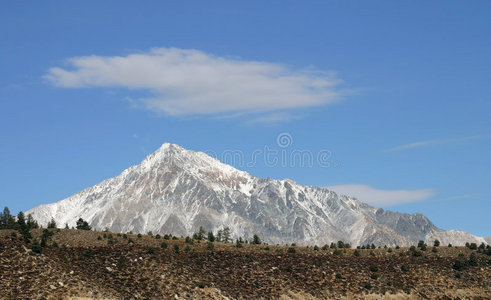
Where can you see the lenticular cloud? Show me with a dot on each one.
(185, 82)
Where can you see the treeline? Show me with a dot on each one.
(9, 221)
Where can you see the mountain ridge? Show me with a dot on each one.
(175, 190)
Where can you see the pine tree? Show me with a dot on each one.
(256, 240)
(201, 233)
(83, 225)
(219, 236)
(21, 219)
(31, 223)
(211, 237)
(226, 235)
(52, 223)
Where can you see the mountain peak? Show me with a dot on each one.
(175, 190)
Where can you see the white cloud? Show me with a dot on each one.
(186, 82)
(376, 197)
(436, 142)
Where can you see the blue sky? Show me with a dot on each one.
(397, 92)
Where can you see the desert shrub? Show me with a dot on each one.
(174, 238)
(316, 248)
(176, 249)
(473, 246)
(201, 285)
(398, 247)
(118, 235)
(412, 248)
(105, 236)
(294, 245)
(472, 260)
(150, 233)
(166, 236)
(189, 240)
(35, 247)
(434, 250)
(373, 268)
(404, 268)
(131, 241)
(458, 265)
(99, 238)
(157, 236)
(54, 245)
(150, 250)
(458, 275)
(367, 286)
(325, 247)
(436, 243)
(336, 252)
(163, 245)
(266, 248)
(339, 276)
(139, 235)
(13, 234)
(372, 253)
(112, 242)
(417, 253)
(125, 236)
(292, 250)
(461, 255)
(187, 249)
(374, 276)
(340, 244)
(238, 244)
(421, 244)
(449, 245)
(356, 253)
(87, 254)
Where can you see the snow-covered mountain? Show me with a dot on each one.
(176, 191)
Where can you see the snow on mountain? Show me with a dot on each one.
(176, 191)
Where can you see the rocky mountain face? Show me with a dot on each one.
(176, 191)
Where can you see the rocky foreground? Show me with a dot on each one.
(78, 264)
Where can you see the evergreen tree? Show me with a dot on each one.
(83, 225)
(436, 243)
(21, 219)
(226, 235)
(52, 223)
(7, 220)
(31, 223)
(211, 237)
(256, 240)
(201, 233)
(219, 236)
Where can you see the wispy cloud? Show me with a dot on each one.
(437, 142)
(377, 197)
(190, 82)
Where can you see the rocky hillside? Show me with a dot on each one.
(176, 191)
(103, 265)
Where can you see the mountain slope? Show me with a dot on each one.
(175, 190)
